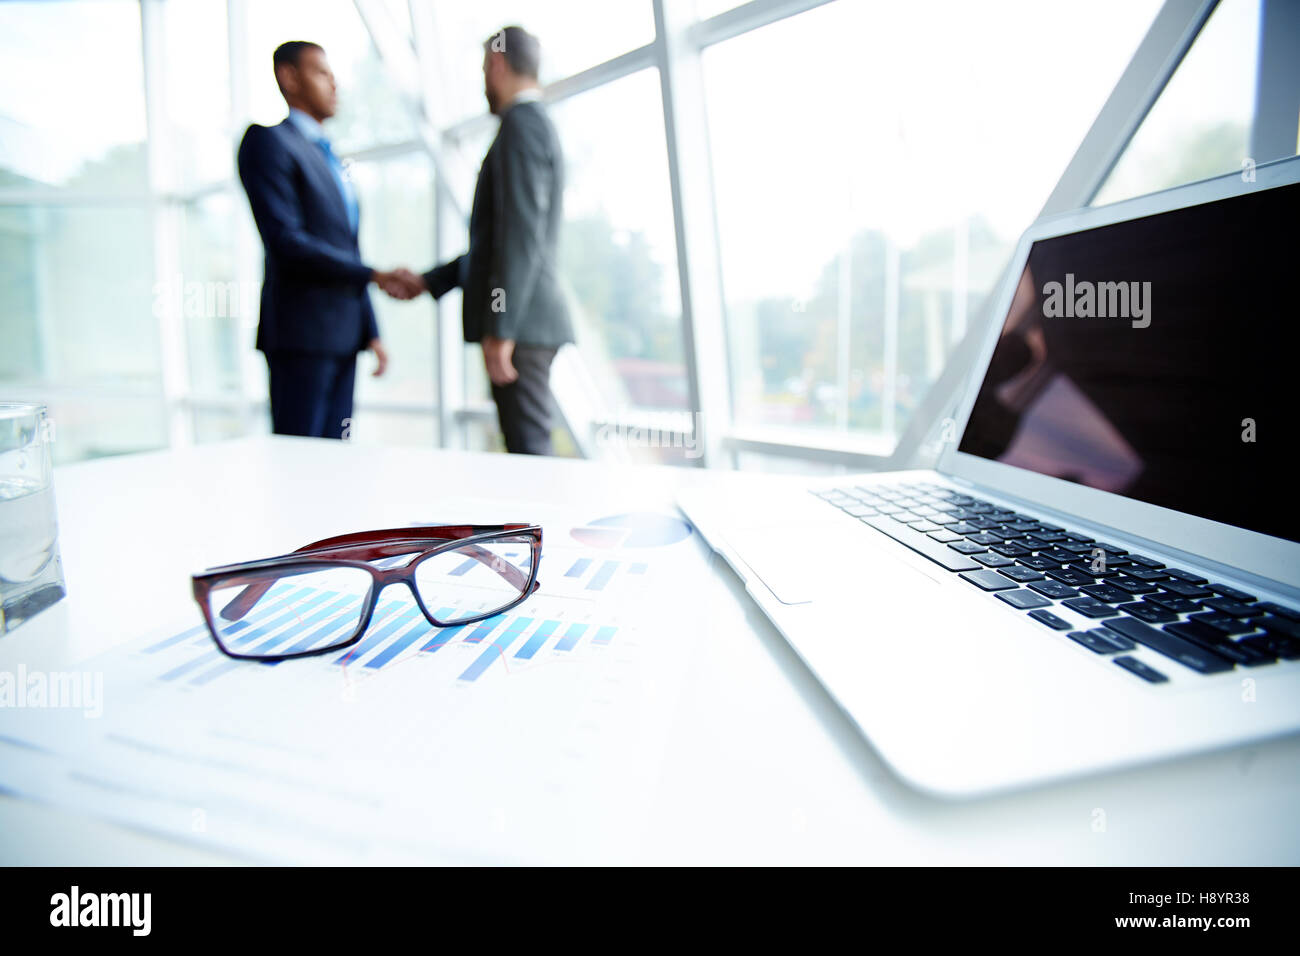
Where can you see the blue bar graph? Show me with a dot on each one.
(443, 635)
(571, 636)
(263, 629)
(539, 637)
(402, 643)
(601, 577)
(603, 635)
(579, 568)
(228, 665)
(343, 613)
(464, 567)
(176, 638)
(496, 649)
(484, 629)
(378, 635)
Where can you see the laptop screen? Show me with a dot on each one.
(1157, 359)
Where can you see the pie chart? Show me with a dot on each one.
(639, 529)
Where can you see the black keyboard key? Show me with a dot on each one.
(1171, 645)
(1184, 588)
(1100, 641)
(1279, 625)
(1038, 563)
(1191, 577)
(963, 528)
(985, 539)
(940, 554)
(1215, 642)
(1151, 613)
(1234, 608)
(1023, 599)
(1054, 589)
(1105, 593)
(991, 560)
(1077, 547)
(1090, 607)
(1221, 622)
(1230, 592)
(1022, 525)
(1135, 666)
(1112, 550)
(1071, 576)
(1272, 608)
(1010, 549)
(1050, 619)
(1179, 605)
(1017, 573)
(1146, 562)
(1131, 585)
(945, 537)
(1059, 555)
(1279, 645)
(1145, 574)
(1096, 560)
(1078, 538)
(966, 547)
(988, 580)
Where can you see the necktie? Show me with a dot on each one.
(345, 188)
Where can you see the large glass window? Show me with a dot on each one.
(872, 173)
(1200, 125)
(575, 35)
(618, 250)
(72, 95)
(396, 198)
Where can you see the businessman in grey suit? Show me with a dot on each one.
(512, 301)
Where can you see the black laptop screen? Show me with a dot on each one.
(1156, 359)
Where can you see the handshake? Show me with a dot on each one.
(401, 284)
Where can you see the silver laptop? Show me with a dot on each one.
(1104, 567)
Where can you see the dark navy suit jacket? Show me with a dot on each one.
(314, 296)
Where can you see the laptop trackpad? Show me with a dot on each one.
(801, 563)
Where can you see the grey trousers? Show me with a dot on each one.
(524, 406)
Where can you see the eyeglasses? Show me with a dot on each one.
(321, 597)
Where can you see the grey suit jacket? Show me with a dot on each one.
(510, 275)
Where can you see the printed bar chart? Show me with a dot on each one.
(302, 618)
(497, 648)
(571, 637)
(539, 638)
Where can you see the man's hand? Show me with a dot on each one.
(498, 357)
(401, 284)
(381, 357)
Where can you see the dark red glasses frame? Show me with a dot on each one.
(356, 550)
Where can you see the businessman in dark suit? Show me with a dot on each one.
(512, 300)
(316, 313)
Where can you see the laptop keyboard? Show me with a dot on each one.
(1034, 567)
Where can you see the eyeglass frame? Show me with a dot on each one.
(373, 545)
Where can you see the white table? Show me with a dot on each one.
(762, 765)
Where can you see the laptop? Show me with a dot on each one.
(1103, 568)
